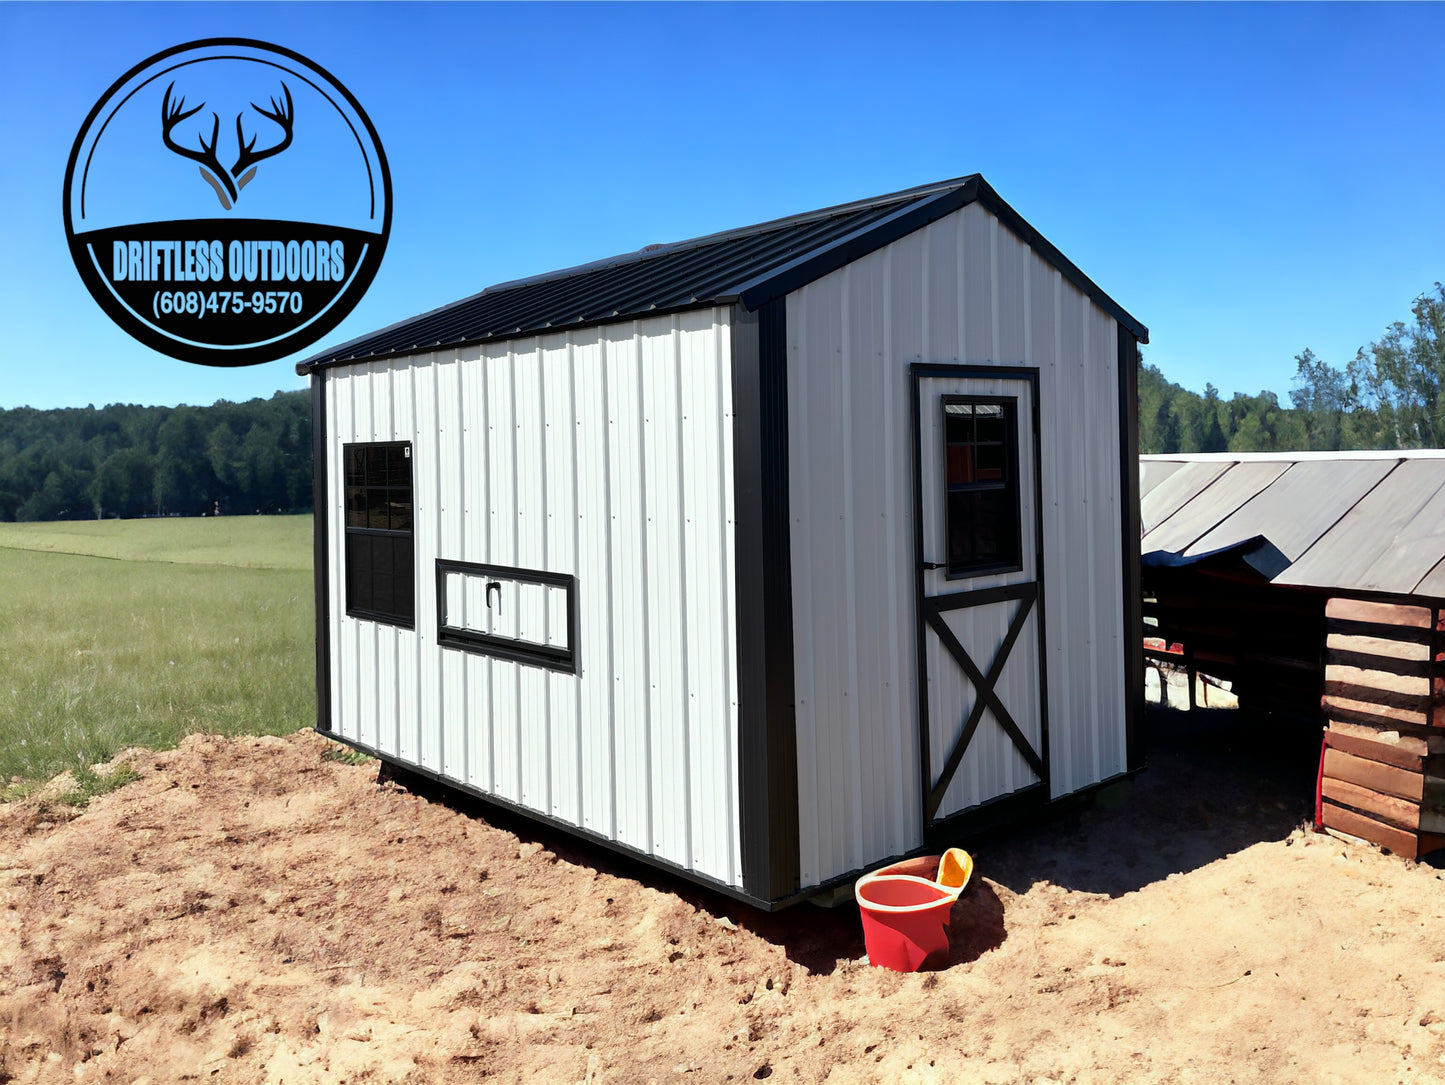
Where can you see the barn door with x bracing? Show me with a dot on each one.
(979, 577)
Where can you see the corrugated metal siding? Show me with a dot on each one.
(604, 453)
(961, 290)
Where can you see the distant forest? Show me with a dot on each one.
(1390, 395)
(83, 463)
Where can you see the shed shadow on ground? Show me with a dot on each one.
(814, 937)
(1217, 781)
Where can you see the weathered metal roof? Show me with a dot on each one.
(1359, 521)
(751, 266)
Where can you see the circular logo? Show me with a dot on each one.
(227, 202)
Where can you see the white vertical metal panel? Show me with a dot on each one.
(530, 517)
(605, 454)
(371, 663)
(963, 289)
(422, 738)
(451, 755)
(703, 396)
(850, 484)
(666, 609)
(595, 534)
(627, 489)
(560, 527)
(476, 670)
(500, 526)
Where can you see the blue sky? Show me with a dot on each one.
(1247, 180)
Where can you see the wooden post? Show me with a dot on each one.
(1191, 672)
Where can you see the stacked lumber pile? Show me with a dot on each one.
(1383, 777)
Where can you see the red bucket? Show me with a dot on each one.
(905, 920)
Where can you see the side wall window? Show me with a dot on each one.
(380, 551)
(981, 486)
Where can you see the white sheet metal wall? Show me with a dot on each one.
(605, 453)
(963, 289)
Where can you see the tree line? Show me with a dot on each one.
(1390, 395)
(80, 463)
(126, 460)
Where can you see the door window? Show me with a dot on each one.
(981, 487)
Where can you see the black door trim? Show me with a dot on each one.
(928, 610)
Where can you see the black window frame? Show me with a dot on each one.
(1009, 483)
(401, 540)
(516, 650)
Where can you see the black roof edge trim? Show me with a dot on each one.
(805, 269)
(1066, 267)
(929, 203)
(307, 367)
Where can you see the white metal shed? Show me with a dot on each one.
(766, 556)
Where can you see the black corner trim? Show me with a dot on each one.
(767, 734)
(1133, 601)
(321, 551)
(514, 650)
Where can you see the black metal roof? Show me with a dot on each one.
(750, 266)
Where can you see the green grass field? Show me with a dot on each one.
(139, 632)
(252, 542)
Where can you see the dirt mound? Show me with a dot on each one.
(250, 910)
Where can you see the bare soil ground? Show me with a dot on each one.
(249, 911)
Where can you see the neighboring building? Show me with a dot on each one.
(702, 552)
(1315, 583)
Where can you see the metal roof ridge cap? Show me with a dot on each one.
(735, 293)
(1297, 456)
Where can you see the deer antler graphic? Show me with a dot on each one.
(285, 116)
(211, 169)
(227, 183)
